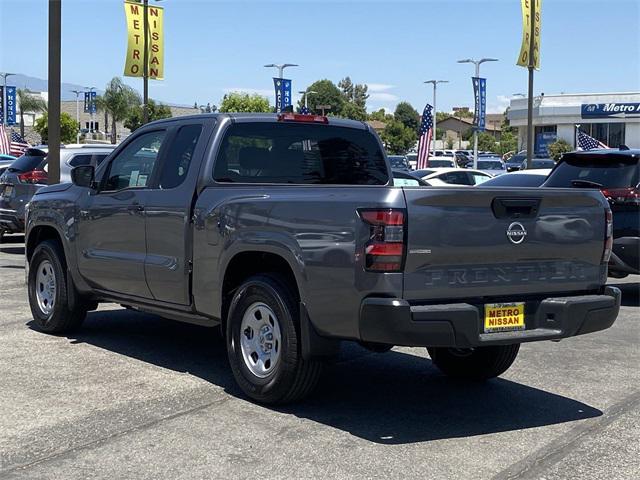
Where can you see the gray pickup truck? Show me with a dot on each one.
(287, 232)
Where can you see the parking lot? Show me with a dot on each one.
(137, 396)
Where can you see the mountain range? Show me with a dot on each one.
(40, 85)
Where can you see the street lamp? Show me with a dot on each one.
(4, 96)
(304, 93)
(77, 92)
(281, 67)
(434, 136)
(91, 89)
(477, 63)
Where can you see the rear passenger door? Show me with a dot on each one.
(168, 213)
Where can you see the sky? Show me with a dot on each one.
(213, 46)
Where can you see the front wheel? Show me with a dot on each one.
(481, 363)
(263, 342)
(55, 305)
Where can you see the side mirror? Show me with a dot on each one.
(83, 176)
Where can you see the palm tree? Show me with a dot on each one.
(29, 103)
(118, 99)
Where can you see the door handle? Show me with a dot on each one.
(136, 208)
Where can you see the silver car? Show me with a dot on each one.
(29, 172)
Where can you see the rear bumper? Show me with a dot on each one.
(460, 325)
(11, 221)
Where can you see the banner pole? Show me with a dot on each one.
(532, 63)
(145, 68)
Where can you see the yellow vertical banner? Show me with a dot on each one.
(134, 64)
(525, 53)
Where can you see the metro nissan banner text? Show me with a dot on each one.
(134, 66)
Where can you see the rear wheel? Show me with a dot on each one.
(55, 305)
(480, 363)
(263, 342)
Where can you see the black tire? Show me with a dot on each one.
(480, 363)
(69, 310)
(292, 377)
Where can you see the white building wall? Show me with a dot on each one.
(632, 135)
(566, 132)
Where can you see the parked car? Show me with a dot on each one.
(491, 165)
(538, 163)
(515, 161)
(198, 218)
(442, 162)
(402, 178)
(456, 176)
(617, 174)
(399, 162)
(5, 161)
(524, 178)
(28, 173)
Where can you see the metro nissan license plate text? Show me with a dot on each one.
(502, 317)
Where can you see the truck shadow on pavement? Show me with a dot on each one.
(630, 293)
(390, 398)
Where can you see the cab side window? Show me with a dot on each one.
(134, 166)
(179, 155)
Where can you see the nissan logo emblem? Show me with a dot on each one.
(516, 233)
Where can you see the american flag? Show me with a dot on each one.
(586, 142)
(426, 131)
(305, 111)
(13, 144)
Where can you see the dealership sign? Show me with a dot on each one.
(603, 110)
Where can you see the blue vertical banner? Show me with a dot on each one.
(480, 107)
(1, 104)
(11, 105)
(90, 102)
(283, 93)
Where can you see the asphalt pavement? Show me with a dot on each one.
(138, 397)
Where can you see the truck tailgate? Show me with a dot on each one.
(459, 246)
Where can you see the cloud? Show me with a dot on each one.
(379, 87)
(499, 105)
(383, 97)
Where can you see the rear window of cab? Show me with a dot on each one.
(286, 153)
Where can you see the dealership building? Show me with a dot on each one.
(612, 118)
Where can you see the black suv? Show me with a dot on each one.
(617, 174)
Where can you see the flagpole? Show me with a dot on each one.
(531, 67)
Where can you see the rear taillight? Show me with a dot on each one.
(626, 196)
(385, 249)
(34, 176)
(608, 236)
(300, 117)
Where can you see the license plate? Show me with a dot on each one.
(503, 317)
(8, 190)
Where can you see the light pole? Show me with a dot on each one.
(4, 96)
(91, 89)
(281, 67)
(77, 92)
(435, 112)
(304, 93)
(477, 63)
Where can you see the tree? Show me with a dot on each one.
(463, 113)
(398, 138)
(407, 115)
(559, 148)
(28, 103)
(118, 100)
(354, 112)
(508, 142)
(68, 127)
(354, 93)
(156, 111)
(442, 116)
(486, 142)
(380, 115)
(243, 102)
(326, 94)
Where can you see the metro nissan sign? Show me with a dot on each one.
(604, 110)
